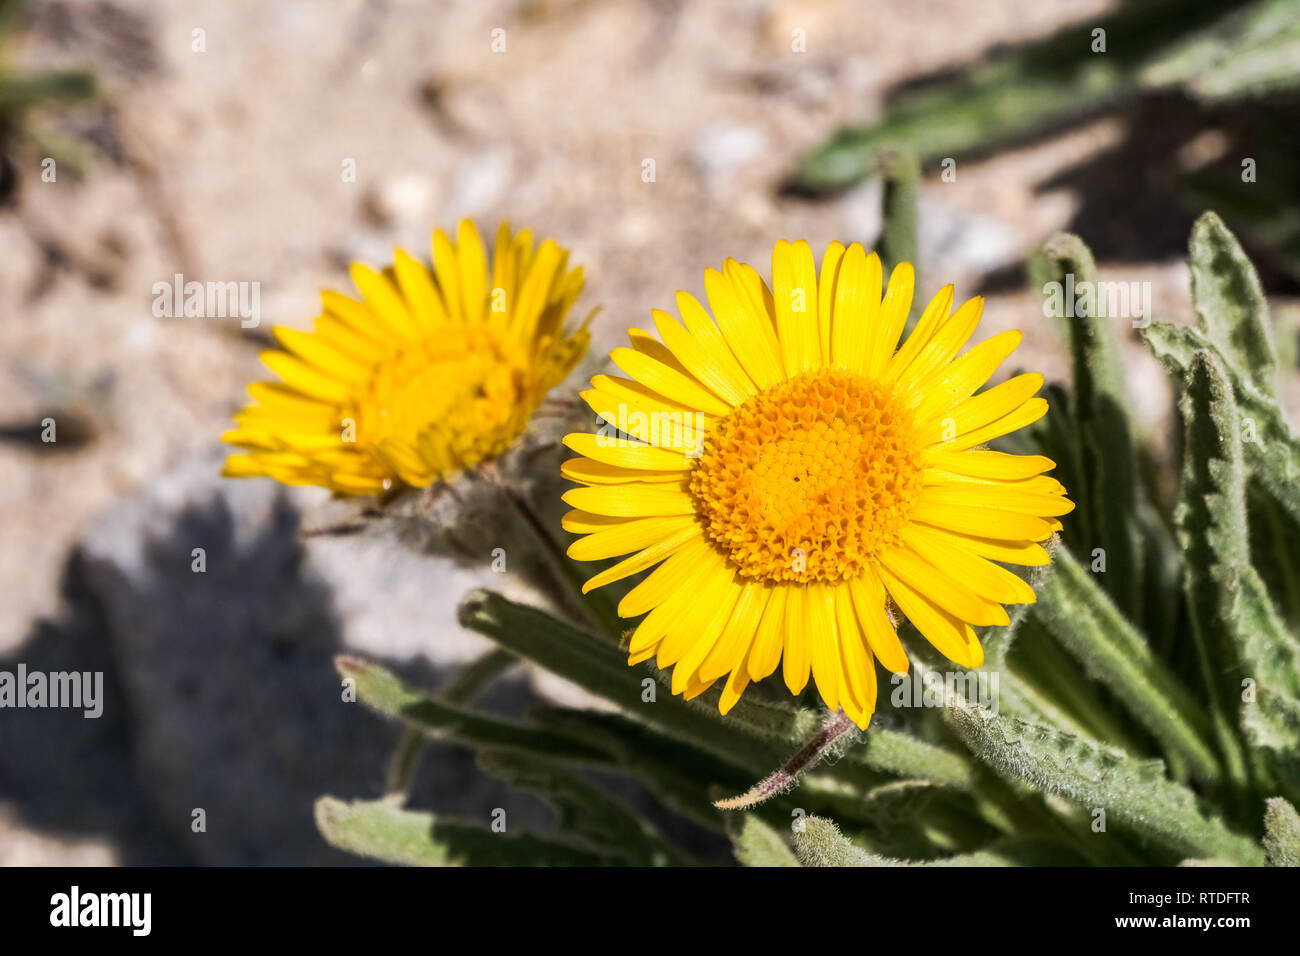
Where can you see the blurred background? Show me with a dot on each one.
(141, 139)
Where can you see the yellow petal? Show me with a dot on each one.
(797, 660)
(673, 385)
(989, 464)
(953, 638)
(628, 535)
(856, 309)
(931, 320)
(958, 381)
(983, 577)
(826, 283)
(647, 557)
(631, 501)
(869, 604)
(698, 362)
(674, 574)
(626, 453)
(893, 317)
(745, 322)
(766, 652)
(940, 587)
(794, 294)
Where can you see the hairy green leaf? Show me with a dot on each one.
(1011, 94)
(898, 238)
(601, 669)
(584, 810)
(1230, 307)
(1250, 661)
(1271, 451)
(1107, 490)
(382, 830)
(1213, 532)
(820, 843)
(755, 843)
(1281, 833)
(903, 755)
(1088, 625)
(1134, 792)
(681, 775)
(380, 689)
(1252, 51)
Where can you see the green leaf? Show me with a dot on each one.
(903, 755)
(584, 810)
(468, 683)
(1133, 792)
(1212, 530)
(680, 775)
(1271, 720)
(818, 842)
(475, 676)
(382, 830)
(1230, 307)
(1272, 453)
(1242, 639)
(898, 238)
(32, 89)
(381, 690)
(756, 734)
(1045, 677)
(769, 720)
(1275, 550)
(1252, 51)
(1107, 490)
(1088, 625)
(603, 670)
(1281, 833)
(1010, 95)
(757, 844)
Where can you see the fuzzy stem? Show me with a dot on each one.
(785, 776)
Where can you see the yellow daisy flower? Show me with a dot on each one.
(433, 371)
(793, 472)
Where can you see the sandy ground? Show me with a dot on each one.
(226, 164)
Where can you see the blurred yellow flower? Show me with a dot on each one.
(433, 371)
(791, 470)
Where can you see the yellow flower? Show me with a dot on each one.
(792, 471)
(433, 371)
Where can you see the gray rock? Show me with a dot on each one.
(234, 705)
(964, 242)
(719, 151)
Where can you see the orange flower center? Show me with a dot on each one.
(809, 479)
